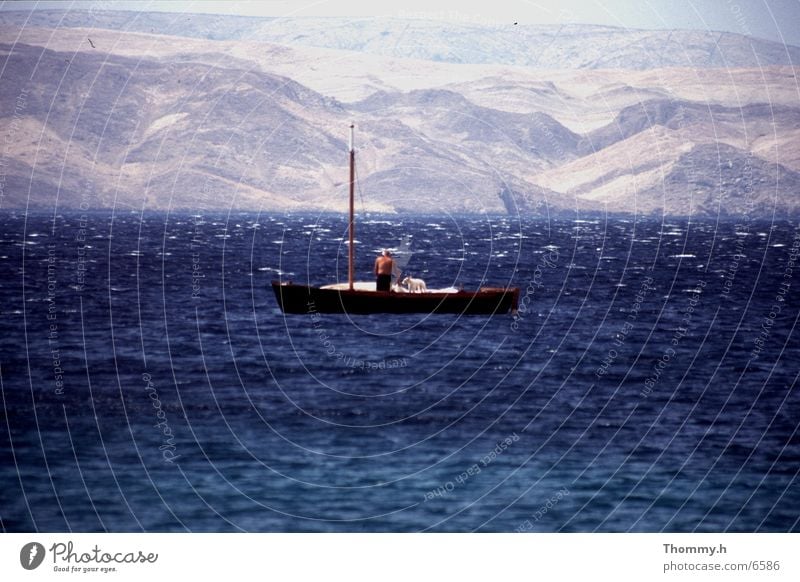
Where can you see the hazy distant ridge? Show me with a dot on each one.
(572, 46)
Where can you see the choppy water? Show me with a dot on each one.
(150, 383)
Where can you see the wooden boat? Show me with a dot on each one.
(294, 298)
(363, 298)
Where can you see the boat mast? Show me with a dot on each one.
(351, 227)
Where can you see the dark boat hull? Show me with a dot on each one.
(304, 299)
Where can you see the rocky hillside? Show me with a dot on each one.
(101, 117)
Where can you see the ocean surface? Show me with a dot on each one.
(150, 383)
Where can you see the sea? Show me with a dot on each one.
(149, 381)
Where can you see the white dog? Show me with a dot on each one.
(415, 285)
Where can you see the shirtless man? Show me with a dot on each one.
(384, 269)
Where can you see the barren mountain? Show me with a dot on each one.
(155, 121)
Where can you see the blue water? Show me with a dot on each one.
(149, 381)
